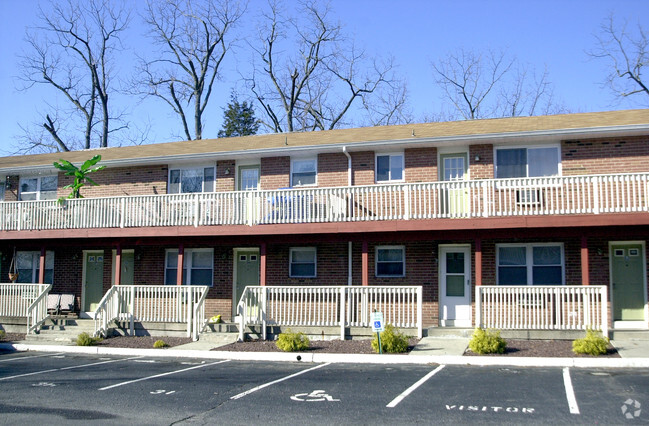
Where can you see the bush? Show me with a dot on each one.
(159, 344)
(487, 342)
(2, 334)
(85, 339)
(292, 342)
(392, 341)
(593, 344)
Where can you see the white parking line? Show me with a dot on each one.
(570, 393)
(65, 368)
(408, 391)
(161, 375)
(27, 357)
(248, 392)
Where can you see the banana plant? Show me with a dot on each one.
(80, 175)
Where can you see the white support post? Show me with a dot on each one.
(478, 307)
(131, 327)
(264, 298)
(189, 293)
(406, 202)
(604, 307)
(420, 320)
(595, 181)
(196, 212)
(342, 313)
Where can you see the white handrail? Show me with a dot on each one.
(542, 307)
(25, 300)
(334, 306)
(37, 311)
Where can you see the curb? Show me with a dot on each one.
(482, 361)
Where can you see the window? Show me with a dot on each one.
(198, 267)
(389, 167)
(302, 262)
(303, 172)
(182, 181)
(2, 191)
(527, 162)
(38, 188)
(390, 261)
(28, 266)
(530, 264)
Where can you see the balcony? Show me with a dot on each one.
(567, 195)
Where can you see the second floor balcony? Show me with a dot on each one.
(485, 198)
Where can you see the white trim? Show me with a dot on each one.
(235, 258)
(390, 155)
(303, 249)
(187, 259)
(82, 313)
(315, 165)
(376, 260)
(442, 250)
(237, 173)
(641, 324)
(450, 153)
(527, 147)
(529, 257)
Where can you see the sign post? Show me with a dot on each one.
(377, 327)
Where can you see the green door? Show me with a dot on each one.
(455, 201)
(247, 273)
(93, 285)
(627, 272)
(128, 263)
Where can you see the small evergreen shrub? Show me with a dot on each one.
(487, 342)
(85, 339)
(593, 344)
(2, 334)
(160, 344)
(392, 341)
(292, 342)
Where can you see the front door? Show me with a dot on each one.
(93, 286)
(128, 264)
(249, 181)
(455, 286)
(627, 280)
(455, 201)
(247, 272)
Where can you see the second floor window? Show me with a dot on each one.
(527, 162)
(389, 167)
(303, 172)
(182, 181)
(38, 188)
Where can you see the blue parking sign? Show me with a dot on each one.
(377, 322)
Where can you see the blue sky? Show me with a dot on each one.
(548, 33)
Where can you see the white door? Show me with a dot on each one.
(455, 286)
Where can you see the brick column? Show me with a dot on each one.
(181, 259)
(41, 270)
(365, 266)
(262, 264)
(585, 275)
(118, 264)
(478, 262)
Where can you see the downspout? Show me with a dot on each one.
(349, 244)
(349, 166)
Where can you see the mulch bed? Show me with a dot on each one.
(323, 346)
(544, 348)
(142, 342)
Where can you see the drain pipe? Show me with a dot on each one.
(349, 244)
(349, 166)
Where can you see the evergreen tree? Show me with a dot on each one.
(238, 119)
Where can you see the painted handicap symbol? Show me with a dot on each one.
(315, 396)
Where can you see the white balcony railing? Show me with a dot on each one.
(148, 303)
(25, 300)
(565, 195)
(339, 306)
(542, 307)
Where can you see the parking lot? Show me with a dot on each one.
(67, 388)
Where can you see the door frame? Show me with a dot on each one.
(442, 250)
(112, 267)
(235, 258)
(248, 166)
(82, 312)
(641, 324)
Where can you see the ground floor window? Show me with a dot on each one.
(302, 263)
(28, 266)
(198, 266)
(390, 261)
(530, 264)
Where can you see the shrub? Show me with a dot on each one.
(2, 334)
(85, 339)
(159, 344)
(593, 344)
(487, 342)
(292, 342)
(392, 341)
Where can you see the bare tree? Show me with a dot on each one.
(307, 76)
(491, 84)
(627, 55)
(193, 40)
(72, 51)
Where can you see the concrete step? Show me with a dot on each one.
(448, 332)
(218, 338)
(629, 334)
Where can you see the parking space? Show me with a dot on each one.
(55, 388)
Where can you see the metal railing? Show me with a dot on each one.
(25, 300)
(147, 303)
(333, 306)
(542, 307)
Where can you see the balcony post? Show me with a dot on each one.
(118, 264)
(41, 271)
(365, 266)
(478, 262)
(181, 259)
(262, 264)
(585, 276)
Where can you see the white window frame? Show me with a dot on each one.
(180, 169)
(303, 249)
(187, 265)
(315, 170)
(376, 261)
(36, 263)
(527, 167)
(38, 191)
(390, 156)
(529, 261)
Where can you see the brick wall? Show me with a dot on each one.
(420, 164)
(331, 265)
(603, 156)
(275, 173)
(119, 181)
(363, 168)
(332, 169)
(483, 168)
(225, 175)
